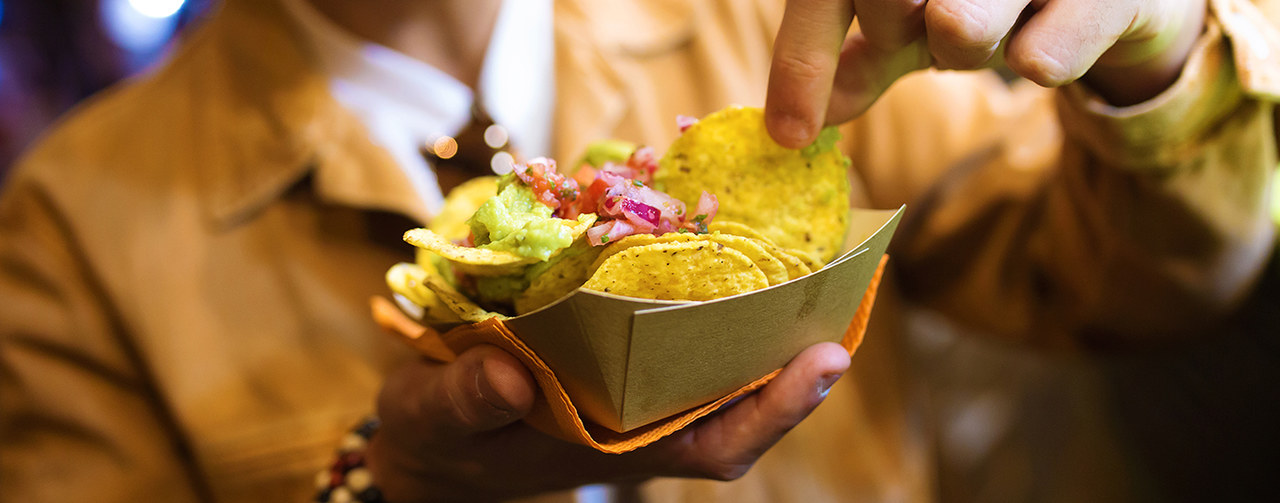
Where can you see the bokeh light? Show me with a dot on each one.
(495, 136)
(157, 9)
(502, 163)
(137, 31)
(444, 147)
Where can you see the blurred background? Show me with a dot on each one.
(54, 53)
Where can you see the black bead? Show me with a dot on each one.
(366, 429)
(322, 496)
(370, 495)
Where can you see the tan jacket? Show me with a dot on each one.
(185, 262)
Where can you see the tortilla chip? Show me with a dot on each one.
(794, 265)
(563, 276)
(475, 261)
(635, 240)
(774, 269)
(460, 204)
(682, 270)
(459, 303)
(805, 257)
(737, 229)
(408, 283)
(797, 198)
(483, 261)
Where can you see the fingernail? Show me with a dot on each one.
(824, 385)
(792, 131)
(490, 395)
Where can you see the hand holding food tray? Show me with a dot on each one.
(643, 292)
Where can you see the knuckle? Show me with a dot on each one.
(1043, 67)
(724, 472)
(719, 466)
(963, 24)
(909, 8)
(800, 66)
(900, 22)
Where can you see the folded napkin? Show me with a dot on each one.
(554, 412)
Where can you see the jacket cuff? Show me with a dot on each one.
(1237, 58)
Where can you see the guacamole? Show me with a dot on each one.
(602, 151)
(506, 288)
(515, 221)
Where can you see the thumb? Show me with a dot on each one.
(484, 389)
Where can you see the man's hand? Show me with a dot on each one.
(452, 432)
(1127, 50)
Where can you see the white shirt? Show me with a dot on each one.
(405, 103)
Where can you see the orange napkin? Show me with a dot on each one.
(553, 411)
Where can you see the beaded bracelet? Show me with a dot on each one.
(347, 480)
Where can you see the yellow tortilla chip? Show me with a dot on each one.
(805, 257)
(794, 265)
(737, 229)
(475, 261)
(773, 268)
(683, 270)
(635, 240)
(408, 281)
(460, 204)
(485, 261)
(797, 198)
(565, 275)
(459, 303)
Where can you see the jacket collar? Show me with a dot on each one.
(272, 122)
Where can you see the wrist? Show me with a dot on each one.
(396, 475)
(1142, 67)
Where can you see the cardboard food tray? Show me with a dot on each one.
(624, 363)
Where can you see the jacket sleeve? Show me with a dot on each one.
(79, 420)
(1053, 219)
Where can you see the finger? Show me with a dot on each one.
(866, 72)
(804, 62)
(728, 444)
(484, 389)
(1063, 40)
(965, 34)
(889, 25)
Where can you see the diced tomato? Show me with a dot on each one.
(549, 186)
(585, 175)
(619, 195)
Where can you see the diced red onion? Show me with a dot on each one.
(594, 233)
(609, 232)
(643, 216)
(685, 122)
(707, 205)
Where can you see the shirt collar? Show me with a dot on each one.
(273, 129)
(517, 81)
(404, 102)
